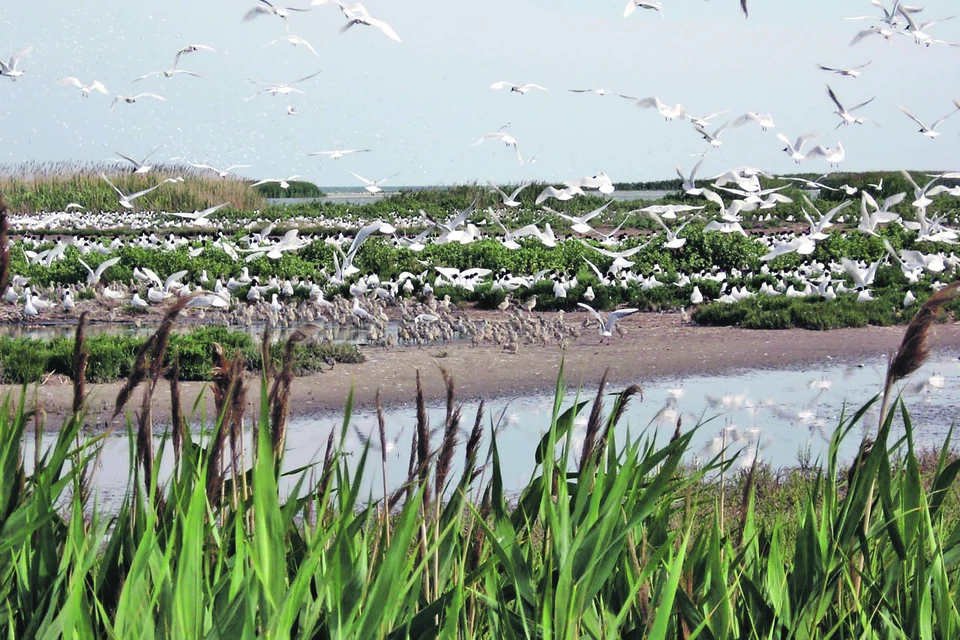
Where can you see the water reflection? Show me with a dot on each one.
(779, 416)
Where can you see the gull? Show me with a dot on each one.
(265, 8)
(357, 14)
(93, 277)
(169, 73)
(506, 138)
(917, 31)
(824, 222)
(509, 239)
(200, 217)
(915, 261)
(619, 257)
(10, 69)
(743, 7)
(223, 173)
(132, 99)
(862, 277)
(633, 5)
(281, 88)
(560, 194)
(712, 138)
(607, 324)
(673, 242)
(601, 182)
(874, 30)
(510, 200)
(599, 92)
(668, 211)
(795, 150)
(191, 48)
(85, 89)
(580, 222)
(689, 184)
(846, 115)
(126, 200)
(803, 245)
(295, 40)
(765, 120)
(668, 112)
(139, 167)
(931, 131)
(850, 73)
(289, 242)
(889, 17)
(284, 182)
(341, 272)
(834, 155)
(517, 88)
(373, 186)
(339, 153)
(880, 215)
(704, 121)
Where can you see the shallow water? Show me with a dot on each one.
(780, 416)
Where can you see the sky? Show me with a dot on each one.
(420, 104)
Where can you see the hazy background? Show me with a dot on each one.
(420, 104)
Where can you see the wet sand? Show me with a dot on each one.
(656, 346)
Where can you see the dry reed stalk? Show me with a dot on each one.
(473, 446)
(178, 423)
(618, 410)
(279, 397)
(4, 251)
(382, 429)
(913, 352)
(80, 357)
(222, 389)
(326, 474)
(593, 424)
(448, 444)
(423, 443)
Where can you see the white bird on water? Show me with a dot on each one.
(607, 324)
(85, 89)
(11, 69)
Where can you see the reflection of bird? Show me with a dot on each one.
(607, 324)
(368, 440)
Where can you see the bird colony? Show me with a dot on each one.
(782, 221)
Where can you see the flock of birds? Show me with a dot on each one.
(727, 200)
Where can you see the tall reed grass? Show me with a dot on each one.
(45, 187)
(626, 540)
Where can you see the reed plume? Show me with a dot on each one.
(80, 357)
(279, 397)
(593, 424)
(4, 251)
(450, 429)
(178, 424)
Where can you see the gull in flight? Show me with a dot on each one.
(506, 138)
(668, 112)
(169, 73)
(850, 73)
(140, 167)
(10, 69)
(599, 92)
(834, 155)
(601, 182)
(712, 138)
(846, 115)
(93, 277)
(704, 121)
(917, 31)
(881, 213)
(223, 173)
(336, 155)
(580, 222)
(284, 182)
(191, 48)
(673, 242)
(795, 149)
(85, 89)
(510, 200)
(200, 217)
(689, 185)
(357, 14)
(295, 40)
(633, 5)
(931, 131)
(266, 8)
(280, 88)
(132, 99)
(373, 186)
(126, 200)
(517, 88)
(607, 324)
(765, 120)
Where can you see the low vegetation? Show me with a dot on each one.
(609, 540)
(112, 357)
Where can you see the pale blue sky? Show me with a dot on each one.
(420, 104)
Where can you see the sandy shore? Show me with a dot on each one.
(657, 346)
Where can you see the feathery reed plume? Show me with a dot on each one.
(411, 465)
(619, 409)
(593, 423)
(326, 475)
(382, 429)
(473, 447)
(451, 393)
(80, 357)
(423, 442)
(279, 397)
(745, 498)
(476, 549)
(265, 354)
(178, 425)
(676, 432)
(914, 348)
(4, 251)
(229, 397)
(450, 428)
